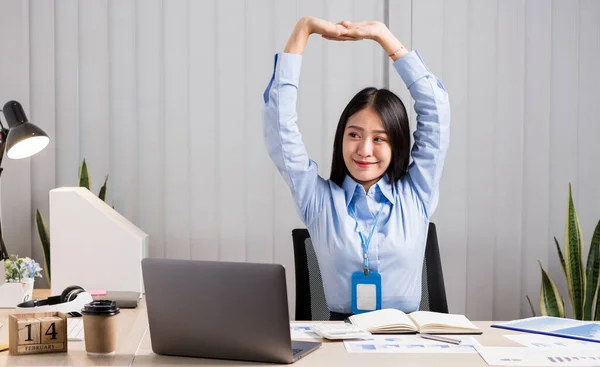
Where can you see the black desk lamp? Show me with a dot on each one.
(21, 139)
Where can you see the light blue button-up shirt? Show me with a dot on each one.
(397, 248)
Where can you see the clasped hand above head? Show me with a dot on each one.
(344, 31)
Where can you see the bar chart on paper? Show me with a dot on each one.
(545, 342)
(408, 344)
(520, 356)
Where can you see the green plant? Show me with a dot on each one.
(18, 268)
(583, 283)
(42, 228)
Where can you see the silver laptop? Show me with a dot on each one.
(223, 310)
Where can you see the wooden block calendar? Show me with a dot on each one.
(34, 333)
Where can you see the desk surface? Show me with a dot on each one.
(132, 326)
(334, 354)
(135, 349)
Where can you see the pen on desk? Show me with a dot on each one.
(440, 338)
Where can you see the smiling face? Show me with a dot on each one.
(366, 148)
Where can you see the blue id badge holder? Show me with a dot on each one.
(366, 292)
(366, 285)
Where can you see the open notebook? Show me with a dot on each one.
(392, 321)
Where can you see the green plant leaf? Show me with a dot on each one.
(573, 260)
(45, 240)
(84, 176)
(531, 306)
(592, 269)
(102, 193)
(550, 304)
(560, 256)
(597, 317)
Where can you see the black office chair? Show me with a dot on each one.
(310, 297)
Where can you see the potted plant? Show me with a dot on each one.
(22, 270)
(582, 281)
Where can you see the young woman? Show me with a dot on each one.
(368, 222)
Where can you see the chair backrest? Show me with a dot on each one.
(310, 297)
(433, 290)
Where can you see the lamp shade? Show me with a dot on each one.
(24, 138)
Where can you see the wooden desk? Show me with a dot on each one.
(334, 354)
(135, 349)
(132, 326)
(41, 293)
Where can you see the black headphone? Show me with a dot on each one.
(70, 301)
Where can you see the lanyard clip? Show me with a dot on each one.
(366, 271)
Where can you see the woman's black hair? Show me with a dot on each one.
(393, 114)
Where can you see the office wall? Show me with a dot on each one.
(164, 97)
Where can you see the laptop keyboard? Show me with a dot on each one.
(296, 351)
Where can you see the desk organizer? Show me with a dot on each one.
(36, 333)
(93, 246)
(11, 294)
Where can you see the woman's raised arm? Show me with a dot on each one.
(280, 129)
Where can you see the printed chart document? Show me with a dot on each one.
(394, 321)
(302, 331)
(409, 344)
(555, 326)
(519, 356)
(536, 341)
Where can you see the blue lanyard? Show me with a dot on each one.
(365, 244)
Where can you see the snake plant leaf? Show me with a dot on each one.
(592, 271)
(45, 239)
(3, 253)
(597, 317)
(102, 193)
(84, 176)
(573, 260)
(560, 256)
(531, 306)
(550, 303)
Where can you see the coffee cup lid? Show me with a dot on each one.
(101, 308)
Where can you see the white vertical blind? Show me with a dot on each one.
(124, 127)
(508, 158)
(176, 130)
(204, 128)
(259, 39)
(165, 98)
(93, 91)
(536, 148)
(43, 111)
(482, 23)
(150, 119)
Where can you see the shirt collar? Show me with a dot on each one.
(350, 186)
(386, 188)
